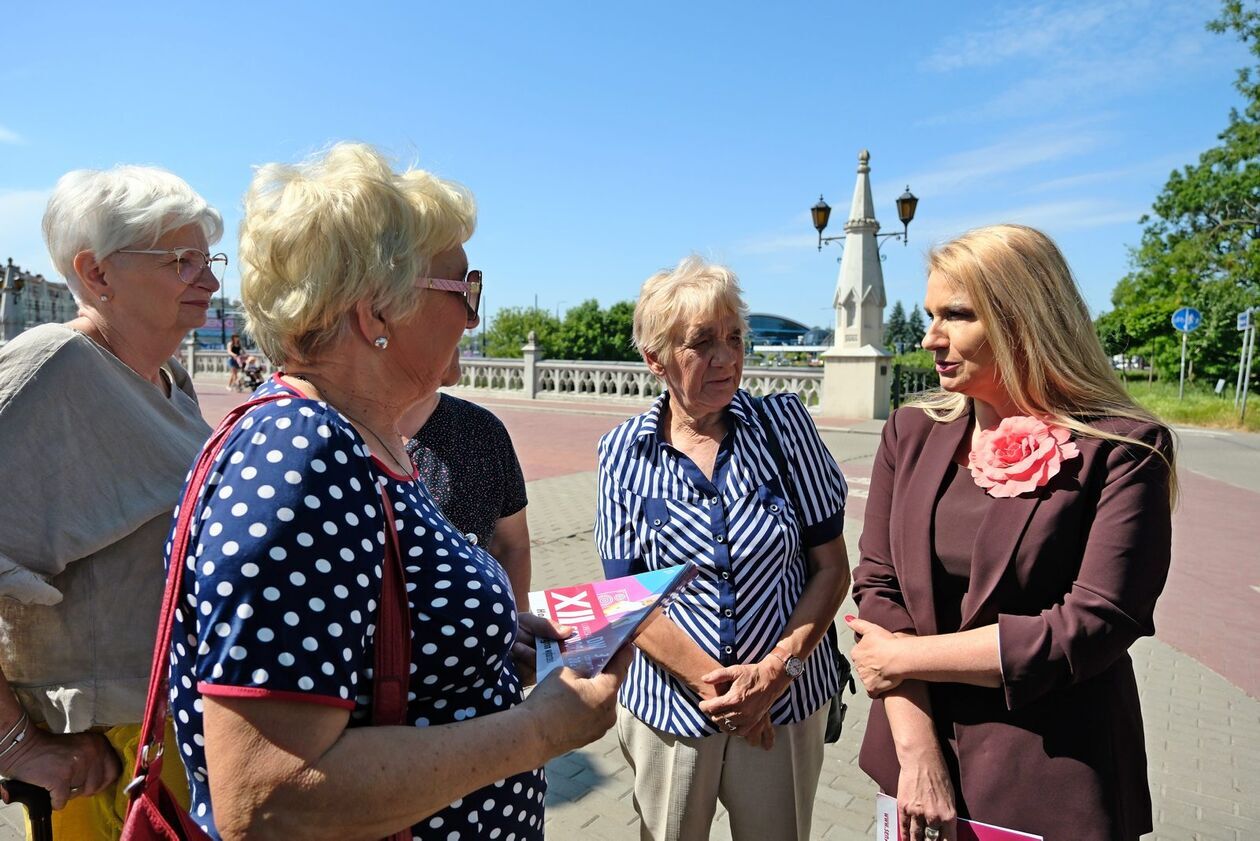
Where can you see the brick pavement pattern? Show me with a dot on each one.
(1203, 732)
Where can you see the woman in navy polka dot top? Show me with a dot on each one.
(348, 275)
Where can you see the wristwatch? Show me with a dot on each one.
(795, 665)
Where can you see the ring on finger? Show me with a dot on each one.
(730, 725)
(75, 789)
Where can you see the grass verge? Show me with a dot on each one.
(1200, 407)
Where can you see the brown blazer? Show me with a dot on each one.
(1070, 574)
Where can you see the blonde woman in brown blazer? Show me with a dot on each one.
(1016, 539)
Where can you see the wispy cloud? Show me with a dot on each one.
(1153, 169)
(776, 243)
(1076, 52)
(1021, 32)
(9, 136)
(1026, 149)
(1054, 217)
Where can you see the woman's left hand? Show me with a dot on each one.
(873, 656)
(529, 628)
(753, 688)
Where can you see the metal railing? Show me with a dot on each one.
(907, 382)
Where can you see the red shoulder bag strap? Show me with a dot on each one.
(392, 651)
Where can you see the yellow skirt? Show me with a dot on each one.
(100, 817)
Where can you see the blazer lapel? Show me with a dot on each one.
(997, 541)
(923, 489)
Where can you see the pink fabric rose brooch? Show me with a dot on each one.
(1019, 456)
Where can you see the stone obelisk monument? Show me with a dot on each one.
(857, 368)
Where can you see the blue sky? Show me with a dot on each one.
(604, 141)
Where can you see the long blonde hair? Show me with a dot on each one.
(1048, 355)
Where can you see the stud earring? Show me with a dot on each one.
(381, 342)
(104, 299)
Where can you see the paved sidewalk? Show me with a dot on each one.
(1203, 730)
(1203, 733)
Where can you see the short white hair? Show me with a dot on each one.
(104, 211)
(670, 298)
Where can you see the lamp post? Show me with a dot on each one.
(907, 203)
(856, 377)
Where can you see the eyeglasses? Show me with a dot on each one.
(189, 262)
(470, 288)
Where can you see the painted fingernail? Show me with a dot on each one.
(849, 617)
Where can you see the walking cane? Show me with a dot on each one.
(38, 806)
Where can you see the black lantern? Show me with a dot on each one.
(821, 213)
(906, 204)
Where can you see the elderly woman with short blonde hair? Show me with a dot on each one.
(727, 701)
(98, 422)
(355, 281)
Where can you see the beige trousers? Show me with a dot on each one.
(678, 781)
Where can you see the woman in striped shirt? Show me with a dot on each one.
(728, 699)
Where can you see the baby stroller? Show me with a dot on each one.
(252, 373)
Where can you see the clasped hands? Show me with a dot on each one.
(739, 698)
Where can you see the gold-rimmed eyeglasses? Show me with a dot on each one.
(470, 288)
(189, 263)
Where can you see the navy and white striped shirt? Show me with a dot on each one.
(656, 509)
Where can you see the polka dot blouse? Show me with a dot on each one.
(280, 600)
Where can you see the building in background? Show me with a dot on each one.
(27, 300)
(767, 329)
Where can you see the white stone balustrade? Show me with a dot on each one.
(558, 379)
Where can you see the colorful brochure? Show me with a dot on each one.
(605, 615)
(887, 827)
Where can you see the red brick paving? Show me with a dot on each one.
(1209, 609)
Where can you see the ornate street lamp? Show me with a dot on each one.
(907, 203)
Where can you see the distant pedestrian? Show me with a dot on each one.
(466, 459)
(355, 282)
(727, 698)
(1017, 536)
(98, 423)
(235, 361)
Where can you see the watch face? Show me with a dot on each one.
(795, 667)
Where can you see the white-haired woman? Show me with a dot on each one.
(355, 281)
(728, 700)
(97, 425)
(1017, 536)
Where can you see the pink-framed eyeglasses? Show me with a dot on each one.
(470, 288)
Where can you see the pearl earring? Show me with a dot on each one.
(381, 342)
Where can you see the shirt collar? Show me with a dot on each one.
(740, 408)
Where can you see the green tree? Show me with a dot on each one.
(1201, 244)
(895, 329)
(582, 333)
(915, 329)
(620, 325)
(511, 326)
(591, 333)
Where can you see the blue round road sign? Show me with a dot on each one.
(1187, 319)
